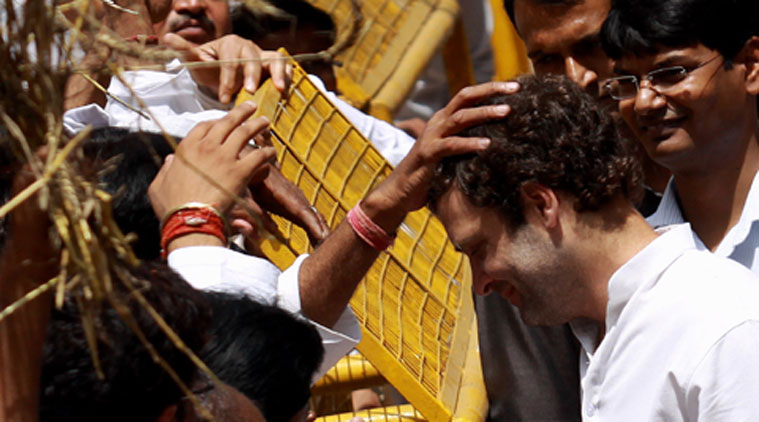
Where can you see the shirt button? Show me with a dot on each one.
(591, 411)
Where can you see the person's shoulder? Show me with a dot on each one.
(709, 284)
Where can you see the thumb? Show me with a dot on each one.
(175, 42)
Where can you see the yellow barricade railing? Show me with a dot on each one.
(414, 304)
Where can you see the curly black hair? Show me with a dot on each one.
(556, 135)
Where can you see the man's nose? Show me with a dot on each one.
(647, 99)
(192, 6)
(481, 282)
(580, 74)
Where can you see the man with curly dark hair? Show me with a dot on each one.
(545, 216)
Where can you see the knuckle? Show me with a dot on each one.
(466, 92)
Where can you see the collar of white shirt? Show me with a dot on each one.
(643, 269)
(669, 212)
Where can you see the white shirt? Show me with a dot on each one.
(176, 101)
(224, 270)
(741, 243)
(681, 340)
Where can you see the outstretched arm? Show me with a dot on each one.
(330, 275)
(27, 261)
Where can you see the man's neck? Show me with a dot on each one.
(608, 249)
(712, 200)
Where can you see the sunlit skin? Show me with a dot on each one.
(197, 21)
(530, 267)
(565, 40)
(556, 266)
(704, 129)
(700, 123)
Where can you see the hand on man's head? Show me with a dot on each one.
(407, 187)
(243, 64)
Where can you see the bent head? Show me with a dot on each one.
(197, 21)
(687, 77)
(516, 208)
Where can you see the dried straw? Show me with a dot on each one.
(36, 49)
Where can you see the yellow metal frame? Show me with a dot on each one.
(393, 42)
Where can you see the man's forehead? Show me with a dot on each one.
(662, 57)
(550, 27)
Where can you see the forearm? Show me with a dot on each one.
(22, 335)
(329, 276)
(79, 90)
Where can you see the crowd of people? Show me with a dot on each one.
(608, 201)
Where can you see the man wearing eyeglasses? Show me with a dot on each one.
(687, 84)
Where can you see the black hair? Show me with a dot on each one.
(8, 167)
(132, 160)
(296, 13)
(135, 387)
(641, 27)
(127, 162)
(556, 135)
(266, 353)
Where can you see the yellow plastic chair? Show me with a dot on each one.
(414, 305)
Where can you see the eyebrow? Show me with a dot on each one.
(589, 39)
(657, 65)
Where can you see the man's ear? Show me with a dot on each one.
(540, 204)
(749, 56)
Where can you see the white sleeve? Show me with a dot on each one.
(224, 270)
(725, 385)
(76, 119)
(337, 341)
(393, 143)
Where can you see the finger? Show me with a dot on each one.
(252, 70)
(315, 225)
(229, 80)
(243, 227)
(221, 129)
(468, 117)
(277, 69)
(153, 190)
(456, 145)
(263, 139)
(260, 175)
(158, 179)
(188, 49)
(242, 134)
(257, 159)
(474, 94)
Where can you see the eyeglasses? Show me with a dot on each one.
(661, 80)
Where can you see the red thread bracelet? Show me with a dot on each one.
(368, 230)
(188, 221)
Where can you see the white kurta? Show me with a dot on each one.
(224, 270)
(681, 339)
(741, 243)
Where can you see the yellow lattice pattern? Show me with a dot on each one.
(414, 305)
(394, 41)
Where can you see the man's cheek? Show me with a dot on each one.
(159, 11)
